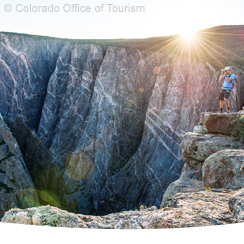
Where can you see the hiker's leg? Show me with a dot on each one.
(221, 101)
(227, 103)
(221, 104)
(227, 94)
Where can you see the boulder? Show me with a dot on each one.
(16, 186)
(44, 215)
(219, 123)
(197, 147)
(223, 169)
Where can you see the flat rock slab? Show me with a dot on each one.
(204, 208)
(224, 169)
(219, 123)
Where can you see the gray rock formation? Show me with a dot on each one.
(26, 65)
(224, 170)
(205, 208)
(181, 185)
(106, 112)
(16, 186)
(196, 148)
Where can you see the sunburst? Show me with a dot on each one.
(189, 35)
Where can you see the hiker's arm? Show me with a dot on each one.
(228, 80)
(221, 77)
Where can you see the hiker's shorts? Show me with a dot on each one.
(224, 94)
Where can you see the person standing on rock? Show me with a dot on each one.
(228, 78)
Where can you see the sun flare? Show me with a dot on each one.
(188, 35)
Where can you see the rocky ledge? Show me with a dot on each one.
(202, 208)
(210, 190)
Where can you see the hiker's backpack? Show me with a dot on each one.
(234, 82)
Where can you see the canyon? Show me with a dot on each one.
(98, 125)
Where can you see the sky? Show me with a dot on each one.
(152, 17)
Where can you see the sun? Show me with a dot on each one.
(189, 35)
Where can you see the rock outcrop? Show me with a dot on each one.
(16, 186)
(196, 148)
(109, 119)
(189, 181)
(213, 156)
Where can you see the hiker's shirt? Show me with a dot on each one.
(228, 85)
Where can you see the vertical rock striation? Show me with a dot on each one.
(95, 107)
(26, 64)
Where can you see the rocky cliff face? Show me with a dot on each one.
(26, 65)
(16, 186)
(109, 120)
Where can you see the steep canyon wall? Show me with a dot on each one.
(106, 125)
